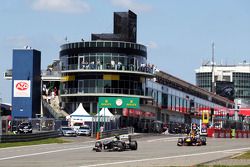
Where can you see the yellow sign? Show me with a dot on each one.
(205, 117)
(111, 77)
(68, 78)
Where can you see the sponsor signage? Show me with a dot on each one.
(225, 89)
(205, 116)
(21, 88)
(118, 102)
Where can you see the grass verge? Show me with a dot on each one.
(222, 166)
(245, 155)
(36, 142)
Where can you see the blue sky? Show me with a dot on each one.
(178, 33)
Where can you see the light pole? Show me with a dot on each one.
(98, 125)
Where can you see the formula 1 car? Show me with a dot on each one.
(192, 141)
(117, 143)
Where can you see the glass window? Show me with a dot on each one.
(99, 44)
(81, 62)
(127, 45)
(107, 86)
(121, 45)
(114, 44)
(107, 44)
(177, 103)
(100, 86)
(107, 61)
(92, 61)
(92, 44)
(86, 44)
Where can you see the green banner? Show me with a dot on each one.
(118, 102)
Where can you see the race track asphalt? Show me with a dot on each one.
(160, 150)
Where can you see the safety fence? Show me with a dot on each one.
(228, 133)
(28, 137)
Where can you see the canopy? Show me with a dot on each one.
(105, 112)
(80, 114)
(80, 111)
(244, 111)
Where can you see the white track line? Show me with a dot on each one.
(161, 158)
(41, 153)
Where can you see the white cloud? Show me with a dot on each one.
(132, 5)
(63, 6)
(152, 45)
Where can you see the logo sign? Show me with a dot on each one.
(21, 88)
(205, 116)
(118, 102)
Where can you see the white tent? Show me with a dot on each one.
(104, 113)
(80, 114)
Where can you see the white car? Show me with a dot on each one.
(68, 131)
(84, 130)
(77, 125)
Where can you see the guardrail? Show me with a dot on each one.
(228, 133)
(28, 137)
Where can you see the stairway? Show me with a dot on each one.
(52, 106)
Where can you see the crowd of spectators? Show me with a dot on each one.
(113, 65)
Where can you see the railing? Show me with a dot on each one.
(8, 74)
(108, 44)
(51, 110)
(28, 137)
(130, 67)
(46, 73)
(102, 90)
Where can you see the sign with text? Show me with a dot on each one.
(118, 102)
(22, 88)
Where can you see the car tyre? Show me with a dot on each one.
(133, 145)
(180, 142)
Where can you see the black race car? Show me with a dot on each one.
(117, 143)
(24, 127)
(192, 141)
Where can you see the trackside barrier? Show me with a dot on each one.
(227, 133)
(28, 137)
(216, 133)
(236, 134)
(242, 134)
(245, 134)
(222, 134)
(210, 132)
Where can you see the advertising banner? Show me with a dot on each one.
(21, 88)
(118, 102)
(225, 89)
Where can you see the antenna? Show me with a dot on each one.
(212, 80)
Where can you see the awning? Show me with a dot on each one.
(244, 111)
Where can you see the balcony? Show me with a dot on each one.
(145, 70)
(101, 92)
(51, 75)
(8, 74)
